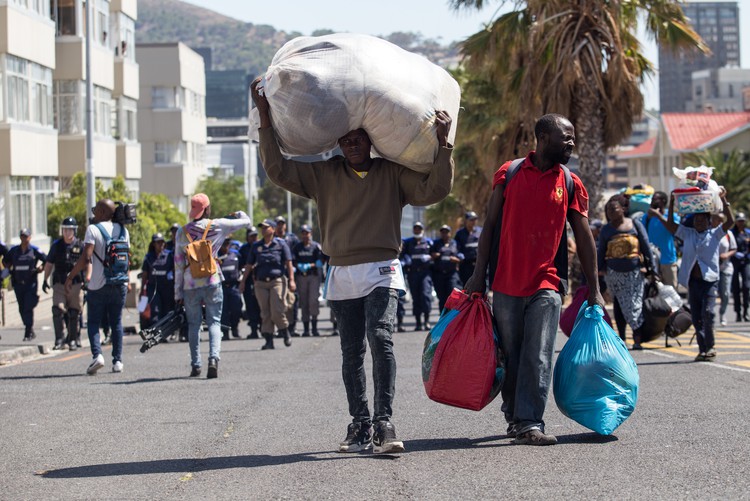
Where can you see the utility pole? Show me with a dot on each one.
(90, 176)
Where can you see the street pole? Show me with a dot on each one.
(289, 211)
(90, 177)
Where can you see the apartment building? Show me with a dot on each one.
(43, 103)
(719, 90)
(28, 138)
(171, 120)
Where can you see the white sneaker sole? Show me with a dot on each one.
(94, 367)
(355, 447)
(389, 448)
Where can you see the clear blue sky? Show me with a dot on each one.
(431, 18)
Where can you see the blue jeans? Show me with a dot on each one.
(702, 299)
(109, 301)
(725, 285)
(213, 298)
(371, 318)
(527, 327)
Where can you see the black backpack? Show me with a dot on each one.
(561, 258)
(116, 260)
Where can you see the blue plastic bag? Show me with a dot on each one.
(595, 378)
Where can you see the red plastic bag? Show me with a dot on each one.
(461, 362)
(568, 316)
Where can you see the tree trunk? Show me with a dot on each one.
(588, 119)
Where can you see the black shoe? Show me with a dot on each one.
(335, 332)
(427, 326)
(225, 337)
(305, 333)
(213, 368)
(292, 333)
(72, 346)
(739, 318)
(59, 345)
(400, 327)
(287, 338)
(253, 335)
(78, 342)
(269, 342)
(315, 333)
(384, 439)
(195, 372)
(183, 339)
(235, 332)
(358, 437)
(418, 328)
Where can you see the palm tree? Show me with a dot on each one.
(731, 170)
(579, 58)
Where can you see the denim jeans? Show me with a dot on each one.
(527, 327)
(213, 297)
(109, 299)
(725, 284)
(702, 299)
(371, 318)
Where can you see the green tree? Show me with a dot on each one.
(731, 170)
(579, 58)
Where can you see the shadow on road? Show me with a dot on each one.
(586, 438)
(188, 465)
(49, 376)
(671, 362)
(148, 380)
(446, 444)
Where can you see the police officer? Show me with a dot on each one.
(447, 259)
(173, 231)
(269, 261)
(22, 261)
(419, 260)
(291, 240)
(308, 261)
(467, 239)
(231, 311)
(66, 307)
(252, 309)
(157, 276)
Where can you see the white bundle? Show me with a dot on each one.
(320, 88)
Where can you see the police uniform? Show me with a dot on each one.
(252, 309)
(468, 245)
(66, 306)
(231, 310)
(445, 271)
(417, 257)
(307, 262)
(293, 313)
(23, 274)
(160, 285)
(269, 270)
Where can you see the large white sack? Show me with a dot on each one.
(320, 88)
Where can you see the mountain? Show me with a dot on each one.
(239, 45)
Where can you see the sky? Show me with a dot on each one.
(432, 18)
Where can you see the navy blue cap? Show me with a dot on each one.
(268, 222)
(305, 229)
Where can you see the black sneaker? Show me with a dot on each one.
(213, 368)
(195, 372)
(59, 345)
(358, 438)
(511, 432)
(384, 440)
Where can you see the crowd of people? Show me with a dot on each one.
(363, 269)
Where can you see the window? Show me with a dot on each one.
(20, 204)
(169, 153)
(102, 111)
(69, 106)
(166, 97)
(29, 87)
(100, 26)
(16, 70)
(123, 33)
(40, 7)
(125, 119)
(44, 193)
(197, 152)
(65, 17)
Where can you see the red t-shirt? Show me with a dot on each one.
(534, 214)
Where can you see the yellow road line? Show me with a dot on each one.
(741, 363)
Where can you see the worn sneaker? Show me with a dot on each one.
(700, 357)
(195, 372)
(358, 438)
(97, 364)
(511, 432)
(710, 355)
(384, 440)
(213, 368)
(117, 366)
(534, 437)
(58, 346)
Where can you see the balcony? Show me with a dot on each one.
(72, 156)
(129, 159)
(27, 36)
(126, 79)
(26, 150)
(71, 61)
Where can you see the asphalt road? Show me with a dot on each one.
(268, 426)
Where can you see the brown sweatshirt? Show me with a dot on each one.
(359, 219)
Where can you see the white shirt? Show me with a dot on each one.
(94, 236)
(359, 280)
(727, 244)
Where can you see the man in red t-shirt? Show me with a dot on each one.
(527, 289)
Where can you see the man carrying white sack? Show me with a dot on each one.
(360, 200)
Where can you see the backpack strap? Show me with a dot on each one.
(107, 239)
(513, 168)
(187, 234)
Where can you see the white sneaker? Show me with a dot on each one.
(117, 367)
(723, 321)
(97, 364)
